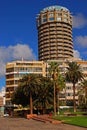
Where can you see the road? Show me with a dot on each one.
(7, 123)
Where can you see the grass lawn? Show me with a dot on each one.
(76, 120)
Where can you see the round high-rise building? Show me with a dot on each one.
(54, 26)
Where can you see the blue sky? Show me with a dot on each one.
(18, 31)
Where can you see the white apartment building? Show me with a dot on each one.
(2, 101)
(16, 70)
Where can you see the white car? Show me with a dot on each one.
(6, 115)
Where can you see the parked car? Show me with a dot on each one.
(6, 115)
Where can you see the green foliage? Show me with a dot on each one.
(53, 70)
(58, 81)
(30, 83)
(38, 87)
(44, 97)
(73, 75)
(83, 95)
(74, 72)
(19, 97)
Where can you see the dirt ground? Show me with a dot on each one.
(7, 123)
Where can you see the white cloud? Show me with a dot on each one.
(79, 21)
(81, 40)
(22, 51)
(2, 68)
(16, 52)
(76, 54)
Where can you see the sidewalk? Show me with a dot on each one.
(8, 123)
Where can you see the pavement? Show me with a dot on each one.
(8, 123)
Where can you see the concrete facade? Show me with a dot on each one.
(16, 70)
(2, 101)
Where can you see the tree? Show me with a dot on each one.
(38, 88)
(84, 87)
(73, 75)
(60, 84)
(83, 93)
(53, 71)
(19, 97)
(29, 84)
(44, 97)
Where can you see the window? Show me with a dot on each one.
(51, 14)
(59, 14)
(44, 20)
(69, 88)
(39, 22)
(51, 19)
(69, 94)
(59, 19)
(65, 15)
(65, 20)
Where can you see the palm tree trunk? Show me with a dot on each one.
(58, 101)
(44, 108)
(54, 100)
(74, 101)
(31, 105)
(86, 94)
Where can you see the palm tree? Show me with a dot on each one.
(60, 84)
(83, 91)
(19, 97)
(53, 71)
(73, 75)
(29, 84)
(84, 86)
(44, 97)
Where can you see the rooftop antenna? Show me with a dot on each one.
(22, 59)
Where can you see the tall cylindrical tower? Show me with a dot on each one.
(54, 26)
